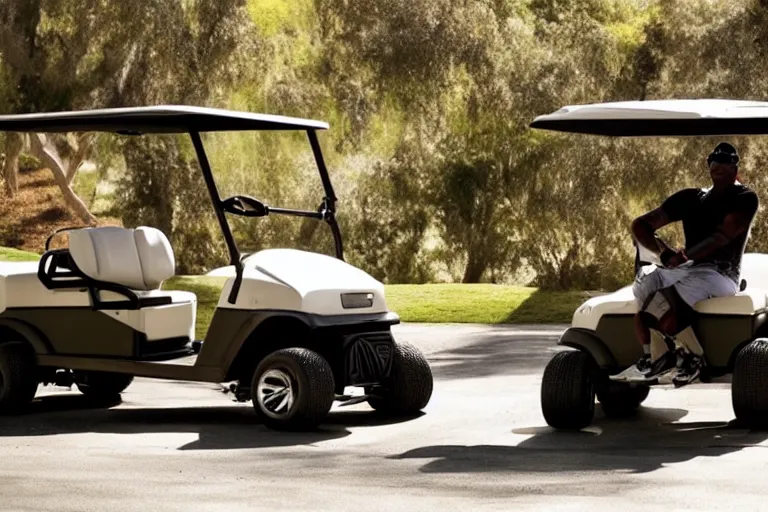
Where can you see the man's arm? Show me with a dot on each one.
(644, 230)
(734, 224)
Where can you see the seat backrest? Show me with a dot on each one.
(754, 269)
(139, 259)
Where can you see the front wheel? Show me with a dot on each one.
(102, 385)
(749, 387)
(568, 390)
(293, 389)
(620, 399)
(409, 386)
(18, 380)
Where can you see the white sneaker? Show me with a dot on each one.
(668, 377)
(637, 371)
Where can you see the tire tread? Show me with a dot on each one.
(568, 391)
(315, 388)
(410, 385)
(18, 366)
(749, 387)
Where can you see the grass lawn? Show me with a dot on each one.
(432, 303)
(482, 303)
(7, 254)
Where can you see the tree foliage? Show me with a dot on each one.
(438, 174)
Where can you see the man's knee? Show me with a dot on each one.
(646, 286)
(683, 313)
(666, 311)
(655, 307)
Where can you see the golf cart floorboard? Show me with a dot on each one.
(182, 368)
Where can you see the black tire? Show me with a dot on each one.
(568, 390)
(409, 386)
(749, 387)
(18, 376)
(311, 386)
(102, 385)
(620, 399)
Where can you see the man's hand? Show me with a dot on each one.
(672, 259)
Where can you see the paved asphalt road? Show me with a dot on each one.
(482, 444)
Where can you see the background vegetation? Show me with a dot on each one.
(439, 177)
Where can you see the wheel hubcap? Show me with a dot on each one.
(275, 393)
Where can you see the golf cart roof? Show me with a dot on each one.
(674, 118)
(153, 119)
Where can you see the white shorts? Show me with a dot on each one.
(692, 283)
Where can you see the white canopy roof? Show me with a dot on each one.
(153, 119)
(688, 117)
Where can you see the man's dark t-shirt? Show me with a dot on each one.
(701, 214)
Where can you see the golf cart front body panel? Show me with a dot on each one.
(311, 283)
(749, 302)
(719, 335)
(354, 345)
(588, 341)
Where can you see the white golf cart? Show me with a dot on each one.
(731, 330)
(292, 329)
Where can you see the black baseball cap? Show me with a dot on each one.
(724, 153)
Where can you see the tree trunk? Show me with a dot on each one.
(475, 268)
(49, 156)
(84, 142)
(13, 147)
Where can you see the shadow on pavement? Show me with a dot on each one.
(219, 428)
(506, 350)
(641, 444)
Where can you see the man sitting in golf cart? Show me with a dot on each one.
(716, 222)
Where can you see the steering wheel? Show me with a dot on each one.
(246, 206)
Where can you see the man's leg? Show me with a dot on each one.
(700, 284)
(651, 307)
(685, 360)
(660, 315)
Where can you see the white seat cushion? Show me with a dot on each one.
(139, 259)
(748, 302)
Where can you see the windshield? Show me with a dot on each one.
(156, 180)
(278, 169)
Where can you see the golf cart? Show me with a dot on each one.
(732, 330)
(291, 331)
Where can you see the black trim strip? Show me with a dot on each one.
(657, 127)
(321, 321)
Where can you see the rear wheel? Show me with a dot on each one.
(749, 387)
(18, 380)
(293, 389)
(568, 390)
(409, 386)
(102, 384)
(620, 399)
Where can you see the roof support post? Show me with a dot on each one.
(234, 252)
(328, 209)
